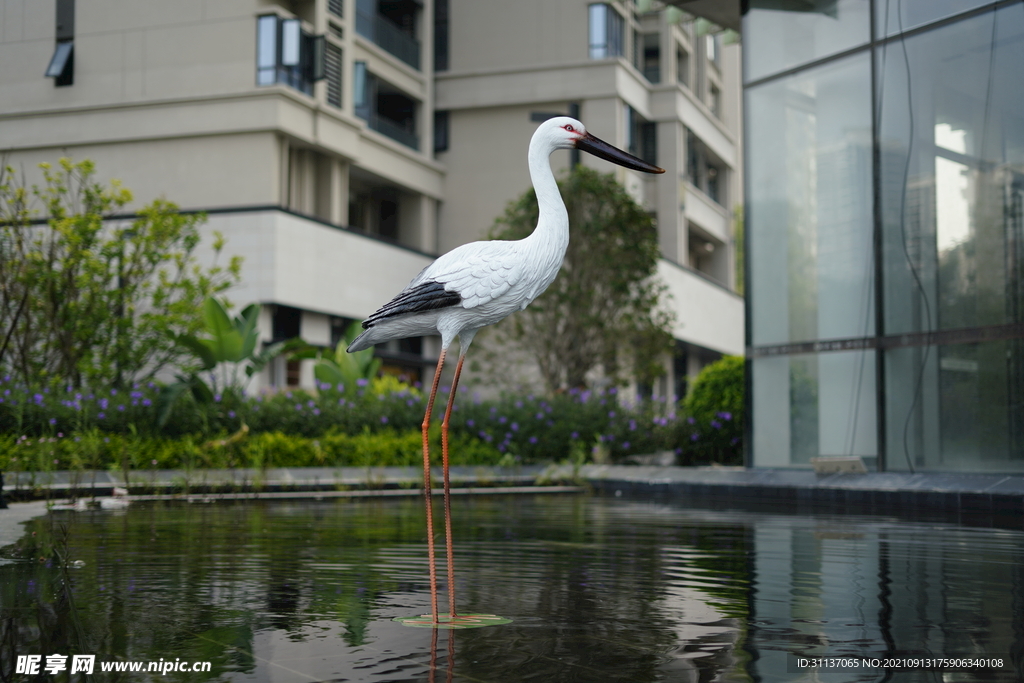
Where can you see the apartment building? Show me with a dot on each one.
(340, 145)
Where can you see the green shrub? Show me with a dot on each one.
(713, 430)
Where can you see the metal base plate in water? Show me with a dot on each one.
(470, 620)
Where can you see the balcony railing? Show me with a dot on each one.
(390, 37)
(393, 130)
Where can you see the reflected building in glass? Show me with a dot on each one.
(885, 212)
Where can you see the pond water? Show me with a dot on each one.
(598, 588)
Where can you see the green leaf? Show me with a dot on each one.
(226, 342)
(201, 350)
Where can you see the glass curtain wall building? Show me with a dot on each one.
(885, 213)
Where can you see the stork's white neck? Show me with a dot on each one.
(553, 222)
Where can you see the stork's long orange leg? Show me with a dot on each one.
(447, 489)
(427, 494)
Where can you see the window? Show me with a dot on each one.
(62, 64)
(360, 91)
(682, 66)
(441, 128)
(287, 322)
(715, 101)
(336, 7)
(287, 54)
(704, 170)
(606, 31)
(384, 107)
(440, 35)
(711, 48)
(332, 72)
(392, 26)
(649, 62)
(641, 136)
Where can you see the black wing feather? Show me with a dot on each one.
(426, 296)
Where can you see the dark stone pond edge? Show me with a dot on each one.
(960, 495)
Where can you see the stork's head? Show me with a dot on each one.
(563, 132)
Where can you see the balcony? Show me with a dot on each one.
(393, 38)
(393, 130)
(385, 108)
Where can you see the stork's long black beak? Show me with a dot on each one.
(602, 150)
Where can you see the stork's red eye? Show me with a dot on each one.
(569, 127)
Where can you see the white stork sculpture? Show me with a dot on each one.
(479, 284)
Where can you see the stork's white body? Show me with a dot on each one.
(493, 279)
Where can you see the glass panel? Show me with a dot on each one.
(965, 414)
(598, 15)
(895, 16)
(290, 34)
(781, 34)
(266, 50)
(812, 405)
(360, 84)
(810, 205)
(59, 59)
(952, 173)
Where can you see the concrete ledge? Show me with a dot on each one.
(998, 495)
(64, 483)
(871, 492)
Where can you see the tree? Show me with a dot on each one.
(603, 308)
(86, 299)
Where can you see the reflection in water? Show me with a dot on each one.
(599, 589)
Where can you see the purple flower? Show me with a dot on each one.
(298, 406)
(533, 439)
(502, 419)
(316, 411)
(101, 415)
(53, 421)
(716, 424)
(311, 403)
(146, 402)
(694, 437)
(38, 398)
(519, 404)
(690, 420)
(470, 422)
(231, 414)
(574, 435)
(515, 426)
(540, 416)
(725, 416)
(113, 392)
(611, 413)
(632, 425)
(103, 403)
(121, 407)
(341, 387)
(383, 419)
(216, 398)
(362, 382)
(625, 445)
